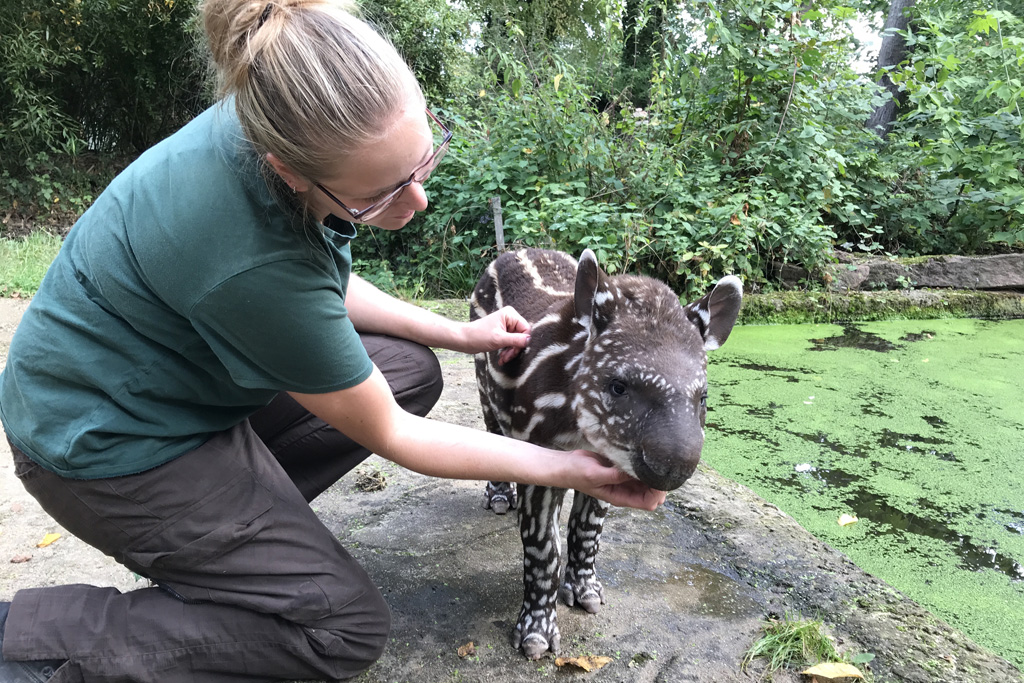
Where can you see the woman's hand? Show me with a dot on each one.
(504, 329)
(593, 476)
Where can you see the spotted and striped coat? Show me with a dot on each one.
(615, 365)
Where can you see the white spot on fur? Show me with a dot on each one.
(549, 401)
(530, 268)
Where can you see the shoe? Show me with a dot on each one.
(34, 671)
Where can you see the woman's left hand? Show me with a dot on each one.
(504, 329)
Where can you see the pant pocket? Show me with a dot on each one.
(217, 524)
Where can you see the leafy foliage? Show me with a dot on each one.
(91, 76)
(684, 143)
(430, 34)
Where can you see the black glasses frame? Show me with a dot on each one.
(420, 175)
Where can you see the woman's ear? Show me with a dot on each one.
(293, 179)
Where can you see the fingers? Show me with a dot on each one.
(517, 335)
(635, 494)
(614, 486)
(513, 321)
(508, 353)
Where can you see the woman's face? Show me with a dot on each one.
(373, 171)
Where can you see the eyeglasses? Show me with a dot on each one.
(420, 175)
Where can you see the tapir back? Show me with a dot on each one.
(531, 280)
(532, 388)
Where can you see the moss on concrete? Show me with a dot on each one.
(827, 307)
(918, 304)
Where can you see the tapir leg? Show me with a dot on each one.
(536, 630)
(580, 585)
(499, 496)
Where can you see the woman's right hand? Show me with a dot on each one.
(593, 475)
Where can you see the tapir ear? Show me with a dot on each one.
(588, 277)
(716, 313)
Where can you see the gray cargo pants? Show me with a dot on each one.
(251, 585)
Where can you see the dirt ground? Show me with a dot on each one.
(688, 587)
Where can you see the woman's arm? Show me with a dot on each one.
(369, 414)
(371, 310)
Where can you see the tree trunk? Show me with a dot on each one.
(892, 52)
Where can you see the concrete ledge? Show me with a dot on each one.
(911, 304)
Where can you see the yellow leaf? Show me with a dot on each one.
(482, 93)
(585, 663)
(558, 80)
(47, 540)
(834, 670)
(845, 520)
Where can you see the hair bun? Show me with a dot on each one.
(309, 78)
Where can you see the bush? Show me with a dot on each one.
(90, 76)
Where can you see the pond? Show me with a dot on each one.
(914, 427)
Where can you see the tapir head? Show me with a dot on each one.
(641, 386)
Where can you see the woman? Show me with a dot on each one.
(199, 364)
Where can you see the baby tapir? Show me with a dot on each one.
(615, 365)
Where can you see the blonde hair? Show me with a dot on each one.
(311, 81)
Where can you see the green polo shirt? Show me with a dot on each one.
(182, 301)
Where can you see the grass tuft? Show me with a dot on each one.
(792, 642)
(24, 262)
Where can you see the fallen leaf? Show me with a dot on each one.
(845, 520)
(834, 670)
(48, 539)
(467, 650)
(585, 663)
(18, 559)
(735, 220)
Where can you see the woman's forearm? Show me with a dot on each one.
(373, 311)
(368, 414)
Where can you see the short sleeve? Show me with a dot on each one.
(283, 326)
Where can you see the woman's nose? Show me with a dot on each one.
(415, 197)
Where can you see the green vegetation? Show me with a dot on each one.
(683, 143)
(911, 426)
(792, 642)
(23, 262)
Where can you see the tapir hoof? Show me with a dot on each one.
(535, 646)
(588, 595)
(500, 506)
(500, 497)
(536, 633)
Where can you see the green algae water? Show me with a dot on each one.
(914, 427)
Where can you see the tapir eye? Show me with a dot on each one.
(617, 387)
(704, 400)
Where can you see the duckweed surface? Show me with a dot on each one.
(914, 427)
